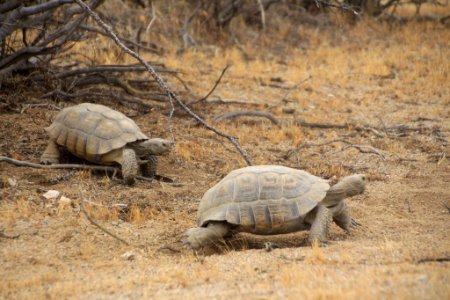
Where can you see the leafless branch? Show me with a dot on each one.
(57, 166)
(162, 83)
(263, 15)
(252, 113)
(214, 87)
(129, 42)
(114, 170)
(152, 21)
(366, 149)
(83, 209)
(188, 40)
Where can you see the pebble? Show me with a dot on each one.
(129, 255)
(51, 194)
(64, 200)
(12, 182)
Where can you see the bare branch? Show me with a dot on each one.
(162, 83)
(214, 87)
(57, 166)
(252, 113)
(127, 41)
(83, 209)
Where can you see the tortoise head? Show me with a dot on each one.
(354, 184)
(154, 146)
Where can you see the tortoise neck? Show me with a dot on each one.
(348, 187)
(335, 194)
(141, 149)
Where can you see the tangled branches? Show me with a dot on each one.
(34, 35)
(44, 27)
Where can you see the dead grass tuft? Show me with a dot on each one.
(190, 150)
(135, 216)
(316, 255)
(102, 213)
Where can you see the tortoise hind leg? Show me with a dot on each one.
(320, 225)
(51, 154)
(129, 166)
(202, 236)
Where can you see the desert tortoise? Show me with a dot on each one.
(102, 135)
(271, 199)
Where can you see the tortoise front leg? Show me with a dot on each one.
(342, 218)
(319, 228)
(149, 169)
(202, 236)
(51, 154)
(129, 166)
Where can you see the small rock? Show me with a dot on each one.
(115, 223)
(129, 255)
(423, 278)
(288, 110)
(51, 194)
(12, 182)
(64, 200)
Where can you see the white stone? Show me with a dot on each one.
(12, 182)
(64, 200)
(51, 194)
(129, 255)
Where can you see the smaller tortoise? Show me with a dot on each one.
(271, 199)
(102, 135)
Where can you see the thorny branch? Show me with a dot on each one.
(162, 83)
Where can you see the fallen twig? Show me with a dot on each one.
(251, 113)
(96, 224)
(115, 170)
(20, 163)
(446, 206)
(118, 205)
(161, 82)
(12, 237)
(375, 129)
(213, 88)
(366, 149)
(361, 148)
(438, 259)
(102, 69)
(231, 102)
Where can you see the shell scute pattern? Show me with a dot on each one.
(90, 130)
(262, 200)
(245, 188)
(270, 186)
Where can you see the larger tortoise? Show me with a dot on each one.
(102, 135)
(270, 199)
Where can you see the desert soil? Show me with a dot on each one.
(374, 78)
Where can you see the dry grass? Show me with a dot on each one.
(49, 250)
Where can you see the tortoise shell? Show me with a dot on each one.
(91, 130)
(263, 199)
